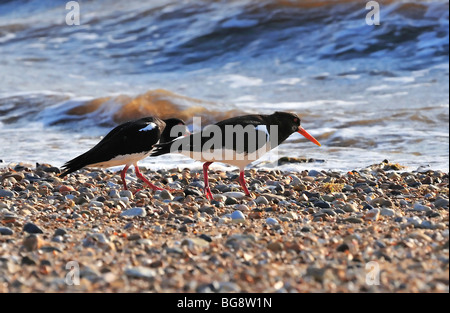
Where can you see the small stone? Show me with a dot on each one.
(140, 272)
(166, 195)
(322, 204)
(271, 221)
(195, 242)
(237, 216)
(134, 212)
(427, 224)
(114, 194)
(32, 229)
(350, 207)
(242, 208)
(6, 231)
(387, 212)
(32, 242)
(219, 197)
(315, 173)
(65, 189)
(415, 220)
(275, 246)
(60, 232)
(353, 220)
(340, 196)
(420, 207)
(255, 215)
(343, 247)
(329, 212)
(261, 201)
(6, 193)
(126, 193)
(236, 195)
(441, 203)
(230, 201)
(133, 237)
(372, 215)
(205, 237)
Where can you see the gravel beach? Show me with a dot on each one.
(380, 229)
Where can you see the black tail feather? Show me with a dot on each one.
(161, 148)
(73, 165)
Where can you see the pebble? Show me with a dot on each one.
(350, 207)
(114, 194)
(242, 208)
(415, 220)
(353, 220)
(165, 195)
(60, 232)
(329, 212)
(6, 231)
(32, 242)
(420, 207)
(6, 193)
(195, 242)
(237, 216)
(441, 203)
(134, 212)
(271, 221)
(322, 204)
(261, 200)
(236, 195)
(65, 189)
(387, 212)
(32, 229)
(230, 201)
(372, 215)
(315, 173)
(140, 272)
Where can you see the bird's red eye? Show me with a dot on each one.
(296, 120)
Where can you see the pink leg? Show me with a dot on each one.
(242, 182)
(122, 175)
(140, 176)
(208, 193)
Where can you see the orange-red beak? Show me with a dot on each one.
(302, 131)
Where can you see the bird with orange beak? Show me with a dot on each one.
(237, 141)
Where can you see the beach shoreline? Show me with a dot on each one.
(378, 229)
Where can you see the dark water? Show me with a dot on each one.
(366, 92)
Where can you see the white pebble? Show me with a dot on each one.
(271, 221)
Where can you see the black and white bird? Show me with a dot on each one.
(127, 144)
(237, 141)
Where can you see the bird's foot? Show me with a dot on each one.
(208, 194)
(251, 195)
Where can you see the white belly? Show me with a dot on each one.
(126, 159)
(240, 160)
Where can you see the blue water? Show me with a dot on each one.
(366, 92)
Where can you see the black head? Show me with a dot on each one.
(174, 129)
(289, 123)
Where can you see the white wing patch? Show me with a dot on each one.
(149, 127)
(264, 129)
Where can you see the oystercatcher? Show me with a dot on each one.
(126, 144)
(237, 141)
